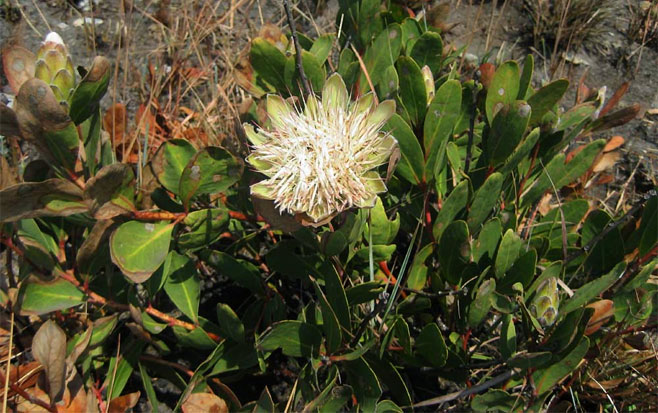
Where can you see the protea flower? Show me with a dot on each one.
(321, 160)
(54, 66)
(545, 305)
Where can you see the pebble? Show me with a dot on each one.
(88, 21)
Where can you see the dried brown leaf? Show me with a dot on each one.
(100, 190)
(614, 143)
(204, 402)
(53, 197)
(49, 349)
(603, 311)
(19, 64)
(7, 174)
(606, 161)
(124, 403)
(8, 121)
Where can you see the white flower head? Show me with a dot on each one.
(321, 160)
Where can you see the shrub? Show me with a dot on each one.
(463, 259)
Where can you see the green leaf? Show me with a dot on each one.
(545, 379)
(330, 325)
(206, 226)
(484, 200)
(454, 251)
(242, 272)
(521, 152)
(210, 171)
(428, 50)
(507, 343)
(364, 292)
(234, 356)
(412, 93)
(389, 84)
(495, 400)
(431, 346)
(37, 297)
(442, 116)
(269, 62)
(101, 329)
(559, 174)
(87, 95)
(526, 77)
(365, 383)
(382, 54)
(295, 338)
(506, 131)
(452, 205)
(522, 272)
(183, 286)
(482, 303)
(609, 250)
(387, 406)
(527, 361)
(322, 47)
(418, 271)
(389, 376)
(90, 130)
(411, 163)
(593, 288)
(383, 229)
(169, 161)
(503, 90)
(148, 388)
(313, 68)
(488, 239)
(508, 252)
(229, 323)
(649, 226)
(336, 296)
(139, 248)
(543, 100)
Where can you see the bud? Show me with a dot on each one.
(54, 66)
(428, 78)
(545, 305)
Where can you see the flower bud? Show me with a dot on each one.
(545, 305)
(54, 66)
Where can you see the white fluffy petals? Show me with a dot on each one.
(318, 159)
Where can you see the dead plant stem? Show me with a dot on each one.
(298, 50)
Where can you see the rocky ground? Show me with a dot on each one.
(139, 33)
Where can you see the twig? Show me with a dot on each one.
(100, 300)
(298, 50)
(10, 348)
(473, 390)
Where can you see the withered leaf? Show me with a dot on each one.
(19, 64)
(7, 174)
(204, 402)
(124, 403)
(53, 197)
(8, 121)
(49, 349)
(109, 193)
(88, 251)
(276, 219)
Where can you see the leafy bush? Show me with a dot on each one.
(462, 258)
